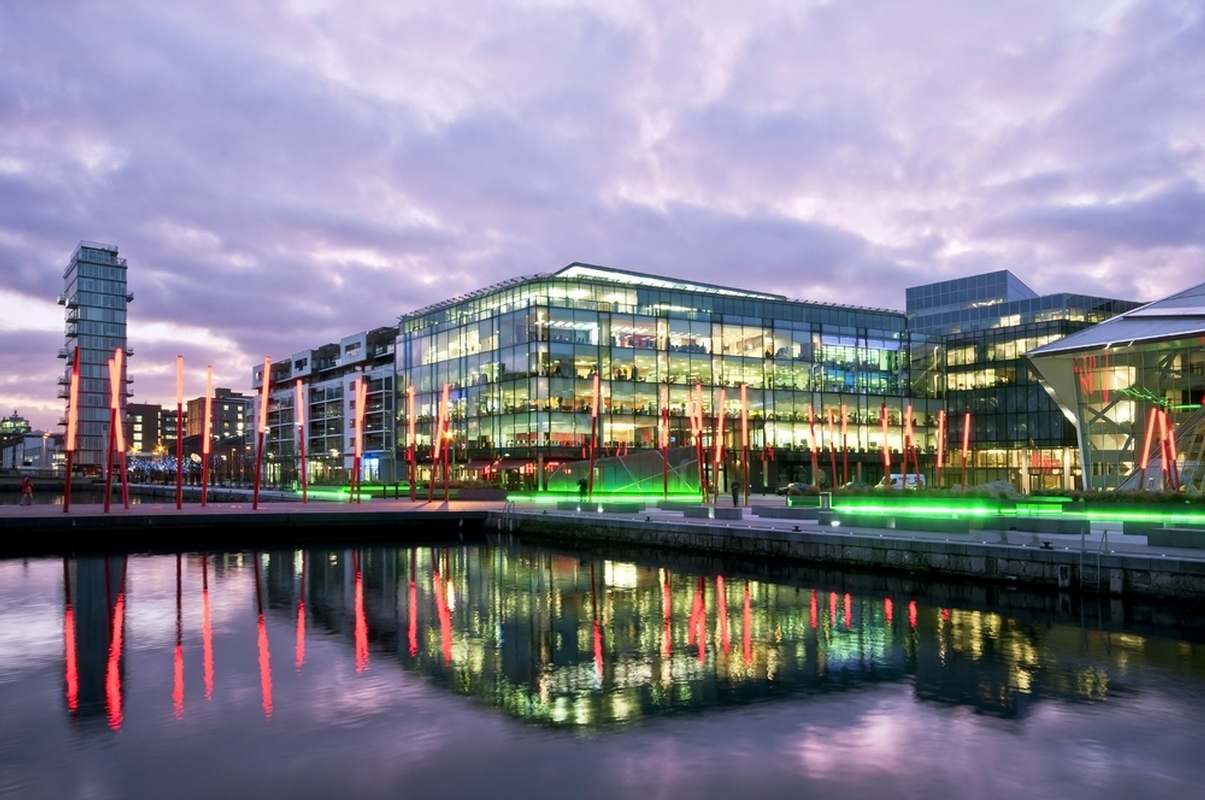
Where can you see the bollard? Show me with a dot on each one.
(826, 500)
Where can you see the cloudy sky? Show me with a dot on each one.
(286, 172)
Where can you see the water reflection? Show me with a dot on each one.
(554, 639)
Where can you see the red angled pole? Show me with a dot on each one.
(263, 429)
(1173, 466)
(72, 425)
(908, 451)
(119, 368)
(299, 408)
(445, 435)
(206, 430)
(179, 432)
(703, 482)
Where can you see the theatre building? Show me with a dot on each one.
(1135, 386)
(520, 360)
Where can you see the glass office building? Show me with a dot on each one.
(520, 358)
(96, 298)
(969, 339)
(1116, 377)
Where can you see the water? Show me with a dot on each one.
(508, 672)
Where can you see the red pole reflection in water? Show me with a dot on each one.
(178, 660)
(722, 602)
(832, 608)
(598, 653)
(667, 612)
(849, 614)
(413, 605)
(112, 668)
(912, 614)
(301, 616)
(701, 620)
(206, 627)
(72, 668)
(265, 657)
(888, 608)
(814, 610)
(748, 625)
(361, 623)
(945, 615)
(444, 613)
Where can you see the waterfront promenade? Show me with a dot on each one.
(1105, 560)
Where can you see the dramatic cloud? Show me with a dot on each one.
(281, 174)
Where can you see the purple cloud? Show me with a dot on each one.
(282, 174)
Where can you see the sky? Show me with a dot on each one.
(284, 173)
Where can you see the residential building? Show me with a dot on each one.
(969, 339)
(328, 376)
(230, 410)
(96, 299)
(1118, 379)
(142, 431)
(32, 450)
(520, 358)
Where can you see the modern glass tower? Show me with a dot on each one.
(96, 298)
(969, 340)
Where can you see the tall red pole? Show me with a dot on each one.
(966, 448)
(179, 432)
(113, 422)
(664, 442)
(908, 453)
(595, 401)
(941, 443)
(262, 428)
(118, 364)
(704, 484)
(299, 409)
(812, 443)
(719, 447)
(832, 442)
(357, 461)
(206, 430)
(745, 439)
(72, 425)
(844, 445)
(411, 442)
(886, 446)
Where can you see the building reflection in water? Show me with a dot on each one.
(554, 639)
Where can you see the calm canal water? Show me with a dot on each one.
(485, 671)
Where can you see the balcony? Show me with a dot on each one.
(64, 380)
(71, 332)
(129, 297)
(66, 352)
(63, 393)
(129, 351)
(62, 300)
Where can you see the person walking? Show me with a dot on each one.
(736, 491)
(581, 489)
(26, 491)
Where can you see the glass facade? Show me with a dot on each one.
(970, 336)
(96, 297)
(520, 359)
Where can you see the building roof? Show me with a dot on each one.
(1177, 316)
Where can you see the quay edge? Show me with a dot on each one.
(1054, 569)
